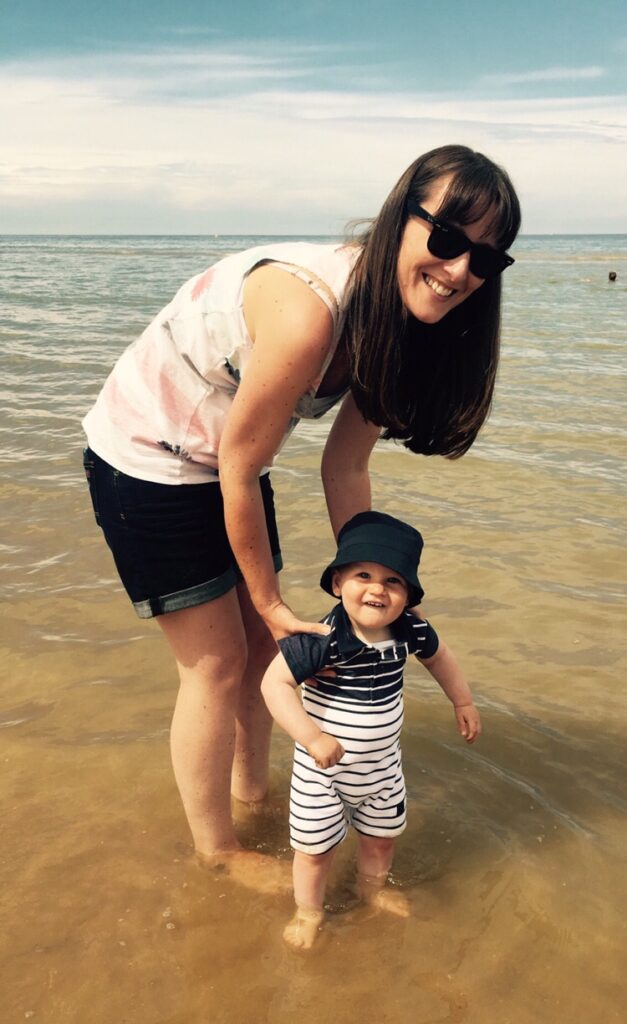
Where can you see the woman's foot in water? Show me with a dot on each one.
(249, 812)
(257, 871)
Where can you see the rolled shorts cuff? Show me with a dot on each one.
(192, 596)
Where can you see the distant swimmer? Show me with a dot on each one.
(612, 275)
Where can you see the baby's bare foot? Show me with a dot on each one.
(304, 928)
(372, 891)
(391, 901)
(254, 870)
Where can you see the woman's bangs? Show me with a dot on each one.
(469, 199)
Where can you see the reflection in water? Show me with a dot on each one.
(512, 856)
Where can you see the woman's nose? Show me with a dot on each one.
(458, 268)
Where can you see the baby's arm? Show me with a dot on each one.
(279, 692)
(447, 672)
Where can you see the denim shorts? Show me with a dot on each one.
(168, 541)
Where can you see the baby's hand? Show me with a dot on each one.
(468, 721)
(325, 750)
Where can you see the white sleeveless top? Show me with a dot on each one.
(162, 410)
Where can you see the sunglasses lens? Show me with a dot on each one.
(486, 262)
(446, 244)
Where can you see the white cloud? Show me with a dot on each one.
(106, 146)
(544, 75)
(188, 70)
(562, 113)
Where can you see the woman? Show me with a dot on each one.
(403, 325)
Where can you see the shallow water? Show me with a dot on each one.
(513, 857)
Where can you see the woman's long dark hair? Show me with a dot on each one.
(429, 385)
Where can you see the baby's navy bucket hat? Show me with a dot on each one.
(377, 537)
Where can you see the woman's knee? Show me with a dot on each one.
(215, 673)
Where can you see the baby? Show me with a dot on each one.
(347, 760)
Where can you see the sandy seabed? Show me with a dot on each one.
(512, 856)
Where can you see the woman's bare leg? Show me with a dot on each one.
(253, 724)
(209, 645)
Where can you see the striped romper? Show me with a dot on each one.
(362, 707)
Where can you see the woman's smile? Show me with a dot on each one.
(438, 287)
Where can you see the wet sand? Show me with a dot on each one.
(513, 853)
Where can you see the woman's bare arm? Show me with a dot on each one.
(345, 464)
(292, 332)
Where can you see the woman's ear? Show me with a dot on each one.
(335, 584)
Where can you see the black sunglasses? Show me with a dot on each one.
(446, 242)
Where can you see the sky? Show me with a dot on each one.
(265, 116)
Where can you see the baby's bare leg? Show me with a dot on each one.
(374, 860)
(310, 873)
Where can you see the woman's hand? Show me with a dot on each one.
(281, 621)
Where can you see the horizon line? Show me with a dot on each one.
(266, 234)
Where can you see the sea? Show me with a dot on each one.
(513, 859)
